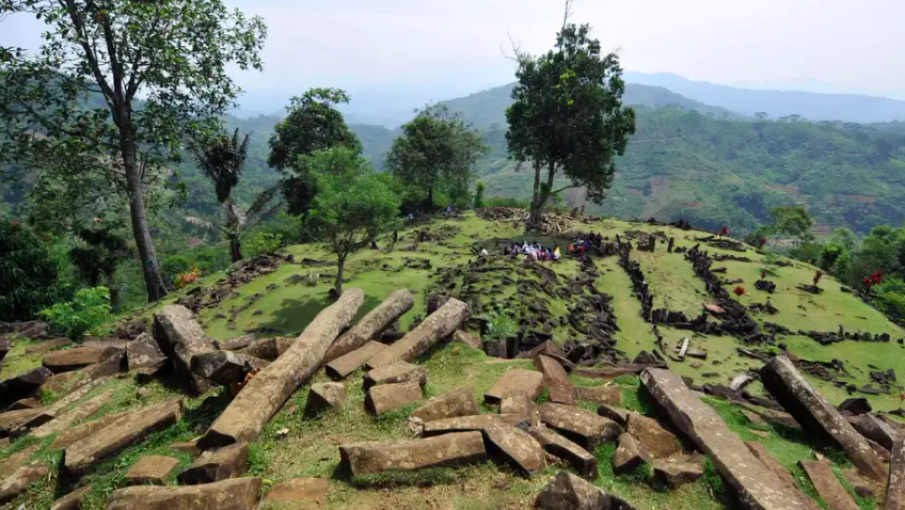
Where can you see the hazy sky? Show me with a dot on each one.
(406, 52)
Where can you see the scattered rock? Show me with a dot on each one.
(676, 473)
(84, 430)
(397, 372)
(372, 324)
(460, 402)
(388, 397)
(344, 365)
(12, 463)
(238, 494)
(73, 500)
(325, 397)
(180, 337)
(76, 358)
(761, 453)
(858, 484)
(213, 466)
(235, 343)
(25, 403)
(630, 453)
(521, 405)
(556, 445)
(470, 423)
(559, 387)
(454, 449)
(22, 386)
(827, 485)
(74, 416)
(875, 429)
(569, 492)
(20, 481)
(151, 469)
(298, 489)
(659, 441)
(516, 381)
(438, 325)
(225, 367)
(12, 420)
(466, 338)
(579, 425)
(855, 406)
(514, 447)
(617, 414)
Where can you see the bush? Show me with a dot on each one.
(264, 242)
(506, 202)
(480, 187)
(28, 273)
(889, 297)
(173, 266)
(84, 314)
(500, 327)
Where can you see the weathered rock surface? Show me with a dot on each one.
(298, 489)
(855, 406)
(516, 381)
(237, 494)
(325, 397)
(75, 358)
(235, 343)
(579, 425)
(84, 456)
(397, 372)
(814, 413)
(569, 492)
(858, 484)
(875, 429)
(617, 414)
(53, 411)
(151, 469)
(676, 473)
(434, 328)
(388, 397)
(454, 449)
(344, 365)
(895, 490)
(20, 481)
(372, 324)
(74, 416)
(11, 420)
(659, 441)
(217, 465)
(84, 430)
(12, 463)
(556, 445)
(180, 337)
(269, 348)
(22, 386)
(225, 367)
(759, 451)
(25, 403)
(514, 447)
(756, 486)
(464, 337)
(112, 365)
(603, 394)
(630, 454)
(267, 391)
(460, 402)
(73, 500)
(469, 423)
(521, 405)
(827, 485)
(559, 387)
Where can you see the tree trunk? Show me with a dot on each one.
(338, 286)
(143, 241)
(430, 198)
(235, 247)
(535, 198)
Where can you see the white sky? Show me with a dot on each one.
(412, 51)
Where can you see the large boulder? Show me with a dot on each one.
(755, 486)
(569, 492)
(225, 367)
(559, 387)
(236, 494)
(22, 386)
(460, 402)
(180, 337)
(143, 352)
(810, 409)
(454, 449)
(514, 447)
(556, 445)
(579, 425)
(630, 454)
(516, 381)
(76, 358)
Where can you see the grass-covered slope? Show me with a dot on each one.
(295, 445)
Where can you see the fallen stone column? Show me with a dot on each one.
(786, 384)
(460, 402)
(225, 367)
(759, 451)
(389, 397)
(85, 455)
(447, 450)
(559, 387)
(756, 486)
(371, 325)
(344, 365)
(580, 425)
(827, 485)
(22, 386)
(227, 462)
(53, 411)
(235, 494)
(438, 325)
(74, 416)
(515, 447)
(395, 372)
(268, 348)
(895, 491)
(558, 446)
(267, 391)
(470, 423)
(180, 337)
(516, 381)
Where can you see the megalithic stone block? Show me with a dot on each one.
(372, 324)
(438, 325)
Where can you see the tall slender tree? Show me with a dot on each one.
(567, 118)
(116, 90)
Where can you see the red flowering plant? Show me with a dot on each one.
(739, 291)
(724, 232)
(870, 281)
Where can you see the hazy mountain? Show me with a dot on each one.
(779, 103)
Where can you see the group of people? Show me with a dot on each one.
(534, 251)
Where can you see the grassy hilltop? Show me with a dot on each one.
(283, 302)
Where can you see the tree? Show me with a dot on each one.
(73, 106)
(28, 273)
(480, 188)
(221, 161)
(567, 116)
(353, 205)
(436, 150)
(313, 124)
(791, 221)
(100, 251)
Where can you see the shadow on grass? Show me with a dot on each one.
(295, 314)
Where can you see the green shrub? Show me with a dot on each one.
(506, 202)
(84, 314)
(28, 273)
(480, 188)
(173, 266)
(264, 242)
(889, 297)
(499, 327)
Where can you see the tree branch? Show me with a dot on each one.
(564, 188)
(77, 22)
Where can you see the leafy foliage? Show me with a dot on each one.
(436, 151)
(500, 327)
(480, 188)
(568, 116)
(28, 273)
(353, 205)
(84, 314)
